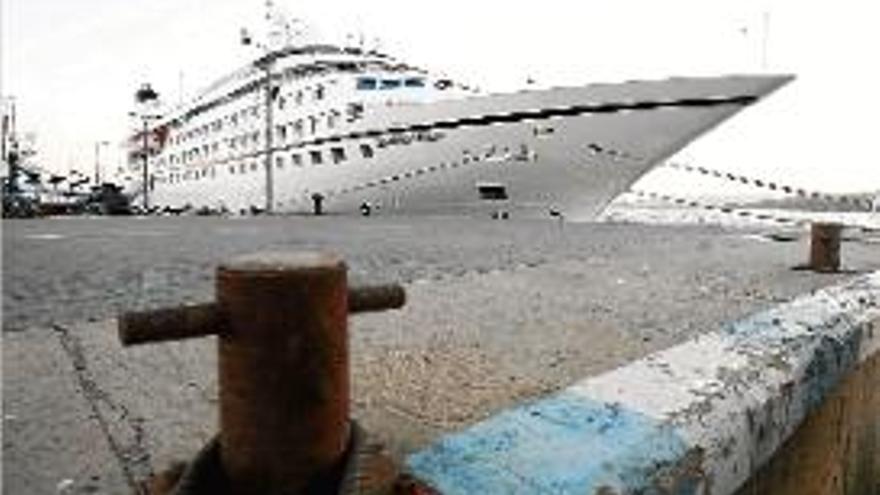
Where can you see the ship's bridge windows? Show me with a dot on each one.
(366, 150)
(316, 157)
(279, 162)
(313, 124)
(366, 83)
(414, 82)
(390, 84)
(295, 160)
(320, 92)
(337, 154)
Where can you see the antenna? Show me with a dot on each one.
(180, 87)
(765, 39)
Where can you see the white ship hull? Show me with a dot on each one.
(568, 151)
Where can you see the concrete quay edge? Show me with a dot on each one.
(699, 418)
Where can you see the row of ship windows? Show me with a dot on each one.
(283, 132)
(252, 112)
(316, 157)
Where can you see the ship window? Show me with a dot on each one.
(313, 124)
(415, 82)
(366, 83)
(355, 111)
(298, 127)
(242, 168)
(366, 151)
(316, 157)
(331, 119)
(295, 159)
(390, 83)
(281, 102)
(281, 130)
(338, 154)
(299, 97)
(443, 84)
(279, 162)
(232, 169)
(319, 92)
(253, 166)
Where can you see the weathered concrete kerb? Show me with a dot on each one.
(703, 417)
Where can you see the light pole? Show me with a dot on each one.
(266, 63)
(98, 145)
(146, 95)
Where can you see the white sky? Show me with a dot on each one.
(73, 66)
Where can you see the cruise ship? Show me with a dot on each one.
(315, 127)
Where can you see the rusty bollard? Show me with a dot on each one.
(281, 319)
(825, 247)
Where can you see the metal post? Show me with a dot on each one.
(825, 247)
(97, 171)
(146, 159)
(283, 370)
(98, 145)
(269, 173)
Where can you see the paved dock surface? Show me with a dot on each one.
(498, 312)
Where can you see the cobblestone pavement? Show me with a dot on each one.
(64, 270)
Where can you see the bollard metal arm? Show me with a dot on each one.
(202, 320)
(166, 324)
(370, 298)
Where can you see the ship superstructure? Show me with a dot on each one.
(346, 129)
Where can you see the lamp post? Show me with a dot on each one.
(266, 63)
(146, 95)
(98, 145)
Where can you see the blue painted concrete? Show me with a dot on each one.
(560, 444)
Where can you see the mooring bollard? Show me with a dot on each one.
(825, 247)
(283, 373)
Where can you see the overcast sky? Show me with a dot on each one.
(73, 66)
